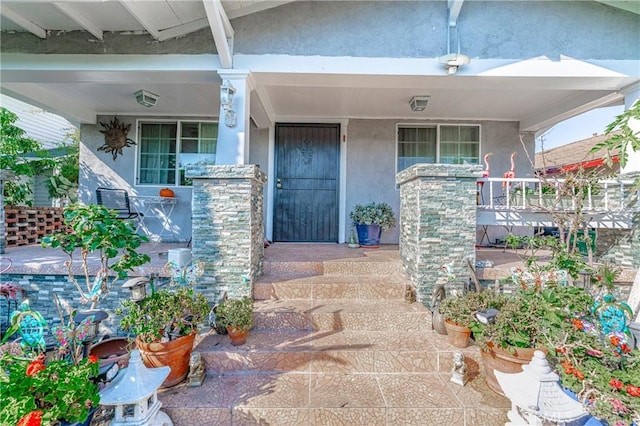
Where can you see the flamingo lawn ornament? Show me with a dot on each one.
(487, 170)
(511, 174)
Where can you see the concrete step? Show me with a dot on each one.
(358, 287)
(367, 262)
(340, 314)
(330, 352)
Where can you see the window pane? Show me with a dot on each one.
(416, 145)
(157, 153)
(460, 144)
(159, 147)
(198, 143)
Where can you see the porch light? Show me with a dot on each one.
(146, 99)
(418, 103)
(227, 93)
(138, 287)
(134, 394)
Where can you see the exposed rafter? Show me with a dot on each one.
(454, 7)
(25, 23)
(221, 30)
(140, 13)
(80, 19)
(184, 29)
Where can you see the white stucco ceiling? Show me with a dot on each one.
(537, 94)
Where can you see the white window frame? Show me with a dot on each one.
(437, 126)
(178, 124)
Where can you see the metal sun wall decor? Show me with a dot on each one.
(115, 137)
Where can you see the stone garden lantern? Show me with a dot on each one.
(134, 394)
(536, 396)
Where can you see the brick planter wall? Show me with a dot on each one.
(27, 225)
(437, 223)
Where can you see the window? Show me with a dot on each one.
(438, 144)
(166, 148)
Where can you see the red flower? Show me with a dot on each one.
(561, 350)
(577, 324)
(578, 374)
(625, 348)
(34, 418)
(615, 340)
(568, 368)
(616, 384)
(633, 390)
(93, 359)
(34, 367)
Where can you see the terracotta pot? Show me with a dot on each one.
(458, 334)
(502, 360)
(175, 354)
(114, 350)
(237, 335)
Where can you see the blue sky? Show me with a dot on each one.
(580, 127)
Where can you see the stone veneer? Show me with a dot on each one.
(228, 229)
(437, 223)
(41, 288)
(620, 246)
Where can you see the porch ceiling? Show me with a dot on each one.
(317, 89)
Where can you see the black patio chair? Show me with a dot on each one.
(118, 200)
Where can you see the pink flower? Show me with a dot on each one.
(618, 406)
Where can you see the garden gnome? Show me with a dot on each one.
(458, 369)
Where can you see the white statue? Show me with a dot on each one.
(458, 369)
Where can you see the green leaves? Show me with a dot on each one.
(94, 228)
(624, 139)
(374, 213)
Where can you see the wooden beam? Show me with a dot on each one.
(139, 14)
(454, 7)
(216, 17)
(181, 30)
(18, 19)
(80, 19)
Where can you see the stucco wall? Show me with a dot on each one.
(371, 160)
(494, 30)
(98, 168)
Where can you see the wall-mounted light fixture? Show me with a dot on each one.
(146, 99)
(227, 93)
(418, 103)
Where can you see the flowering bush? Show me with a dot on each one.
(36, 392)
(38, 389)
(600, 367)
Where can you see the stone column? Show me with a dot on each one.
(437, 223)
(228, 230)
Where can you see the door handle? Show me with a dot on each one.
(278, 184)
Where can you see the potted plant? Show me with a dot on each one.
(530, 319)
(94, 228)
(459, 313)
(236, 315)
(370, 220)
(40, 386)
(165, 324)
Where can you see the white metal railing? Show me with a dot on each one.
(553, 195)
